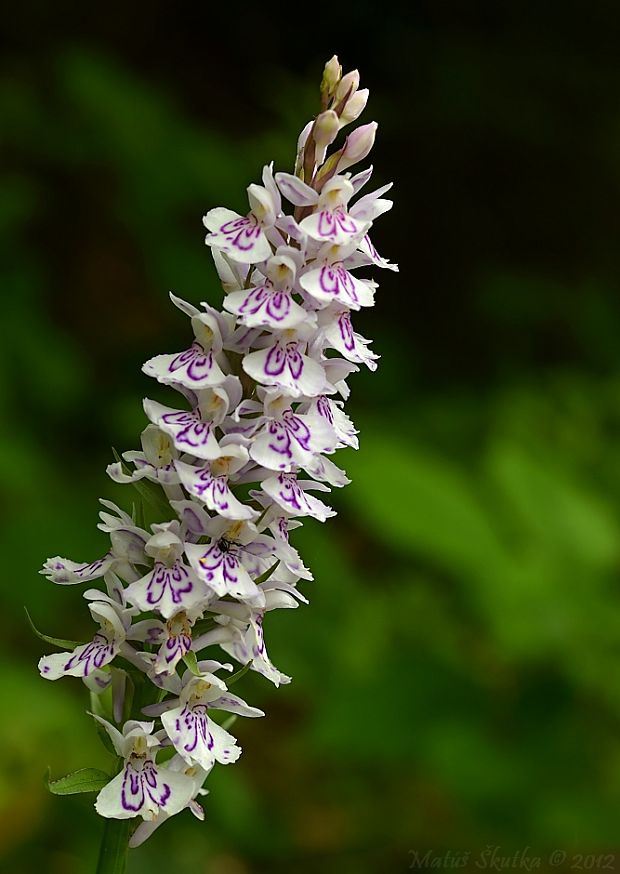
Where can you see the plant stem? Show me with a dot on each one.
(114, 845)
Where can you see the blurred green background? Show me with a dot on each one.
(457, 675)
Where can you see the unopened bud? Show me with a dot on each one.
(357, 146)
(326, 128)
(347, 85)
(303, 136)
(301, 145)
(354, 107)
(331, 76)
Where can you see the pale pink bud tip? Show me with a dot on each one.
(358, 145)
(348, 85)
(325, 128)
(354, 107)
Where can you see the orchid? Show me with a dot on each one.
(143, 788)
(225, 474)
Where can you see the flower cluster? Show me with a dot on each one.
(229, 471)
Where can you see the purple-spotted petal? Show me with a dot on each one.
(332, 226)
(265, 306)
(68, 573)
(285, 443)
(341, 336)
(193, 368)
(332, 282)
(240, 237)
(288, 494)
(285, 366)
(220, 567)
(84, 660)
(197, 738)
(187, 428)
(144, 789)
(167, 589)
(213, 491)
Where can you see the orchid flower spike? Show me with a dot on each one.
(227, 472)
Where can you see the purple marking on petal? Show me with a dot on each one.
(340, 283)
(165, 794)
(192, 726)
(294, 360)
(283, 528)
(194, 432)
(224, 563)
(346, 331)
(337, 281)
(140, 782)
(347, 224)
(211, 489)
(324, 408)
(328, 280)
(290, 491)
(275, 361)
(177, 645)
(84, 572)
(132, 791)
(93, 566)
(298, 429)
(259, 647)
(278, 305)
(196, 363)
(181, 359)
(175, 579)
(256, 299)
(327, 225)
(280, 441)
(242, 233)
(92, 655)
(200, 366)
(371, 249)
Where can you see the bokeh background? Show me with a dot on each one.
(457, 675)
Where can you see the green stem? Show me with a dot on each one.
(114, 845)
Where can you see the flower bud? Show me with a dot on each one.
(347, 85)
(326, 128)
(357, 146)
(354, 107)
(301, 145)
(331, 76)
(303, 136)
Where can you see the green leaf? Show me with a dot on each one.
(238, 674)
(104, 737)
(55, 641)
(102, 707)
(161, 694)
(228, 723)
(267, 574)
(84, 780)
(192, 662)
(165, 754)
(202, 626)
